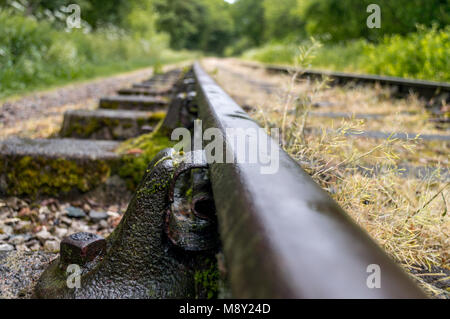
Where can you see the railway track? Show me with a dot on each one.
(436, 92)
(280, 234)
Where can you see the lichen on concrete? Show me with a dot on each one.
(106, 124)
(137, 152)
(54, 167)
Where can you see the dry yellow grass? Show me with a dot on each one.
(408, 217)
(46, 125)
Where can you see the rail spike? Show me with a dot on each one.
(139, 259)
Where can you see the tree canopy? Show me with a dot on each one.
(213, 25)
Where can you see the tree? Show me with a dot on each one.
(346, 19)
(249, 22)
(282, 19)
(196, 24)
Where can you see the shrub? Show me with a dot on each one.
(423, 55)
(34, 53)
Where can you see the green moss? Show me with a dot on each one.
(133, 167)
(82, 128)
(207, 280)
(35, 176)
(158, 116)
(109, 105)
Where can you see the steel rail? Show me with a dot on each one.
(282, 235)
(427, 89)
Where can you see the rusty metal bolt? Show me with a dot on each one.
(80, 248)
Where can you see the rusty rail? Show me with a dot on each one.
(403, 86)
(282, 235)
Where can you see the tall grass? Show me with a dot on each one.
(36, 54)
(423, 55)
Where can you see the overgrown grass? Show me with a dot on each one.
(423, 55)
(35, 54)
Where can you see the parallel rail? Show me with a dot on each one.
(282, 235)
(426, 89)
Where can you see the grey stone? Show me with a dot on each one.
(66, 220)
(60, 232)
(5, 229)
(6, 247)
(22, 226)
(22, 247)
(103, 224)
(35, 247)
(15, 203)
(97, 216)
(11, 221)
(43, 235)
(17, 240)
(75, 212)
(51, 246)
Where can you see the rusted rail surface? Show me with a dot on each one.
(282, 235)
(427, 89)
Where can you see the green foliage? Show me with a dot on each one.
(133, 166)
(195, 24)
(34, 53)
(424, 55)
(273, 53)
(248, 16)
(35, 50)
(346, 19)
(282, 19)
(97, 13)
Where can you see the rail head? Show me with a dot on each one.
(282, 235)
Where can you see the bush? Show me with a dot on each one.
(273, 53)
(423, 55)
(33, 53)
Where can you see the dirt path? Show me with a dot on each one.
(39, 114)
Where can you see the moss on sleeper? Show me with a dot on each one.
(109, 105)
(158, 116)
(38, 176)
(133, 166)
(82, 128)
